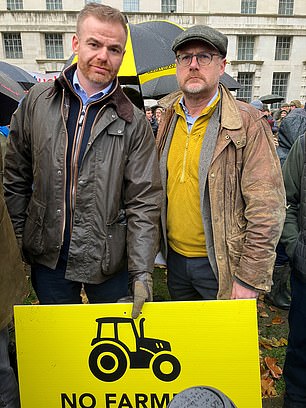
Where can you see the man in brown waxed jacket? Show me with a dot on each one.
(224, 200)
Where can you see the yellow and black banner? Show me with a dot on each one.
(96, 356)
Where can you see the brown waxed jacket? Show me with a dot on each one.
(118, 190)
(241, 193)
(12, 275)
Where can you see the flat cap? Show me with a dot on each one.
(202, 33)
(296, 103)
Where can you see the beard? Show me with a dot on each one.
(200, 87)
(92, 75)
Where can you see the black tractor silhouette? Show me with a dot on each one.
(113, 354)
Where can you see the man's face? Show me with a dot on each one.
(100, 47)
(197, 80)
(149, 114)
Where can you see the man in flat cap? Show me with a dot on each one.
(224, 203)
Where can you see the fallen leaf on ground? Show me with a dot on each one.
(275, 370)
(273, 342)
(278, 320)
(267, 387)
(263, 314)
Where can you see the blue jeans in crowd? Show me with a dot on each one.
(9, 394)
(295, 362)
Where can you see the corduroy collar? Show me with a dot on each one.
(116, 97)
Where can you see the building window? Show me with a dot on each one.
(285, 7)
(248, 6)
(245, 47)
(54, 46)
(12, 45)
(14, 4)
(280, 86)
(168, 6)
(54, 4)
(246, 80)
(282, 49)
(130, 5)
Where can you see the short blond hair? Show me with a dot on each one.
(103, 13)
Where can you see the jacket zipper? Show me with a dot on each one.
(74, 164)
(64, 172)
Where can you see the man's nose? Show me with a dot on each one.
(103, 54)
(194, 62)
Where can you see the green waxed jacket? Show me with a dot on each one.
(242, 194)
(12, 276)
(117, 188)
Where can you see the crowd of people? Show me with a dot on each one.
(95, 189)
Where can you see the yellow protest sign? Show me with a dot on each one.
(96, 356)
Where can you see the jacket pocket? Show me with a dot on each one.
(33, 229)
(115, 251)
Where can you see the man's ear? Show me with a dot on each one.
(75, 43)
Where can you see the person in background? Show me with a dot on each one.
(295, 104)
(264, 108)
(291, 127)
(151, 119)
(82, 185)
(283, 114)
(257, 104)
(13, 286)
(158, 114)
(272, 122)
(284, 106)
(293, 239)
(224, 200)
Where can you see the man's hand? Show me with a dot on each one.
(142, 291)
(240, 292)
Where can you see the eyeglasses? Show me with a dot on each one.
(203, 59)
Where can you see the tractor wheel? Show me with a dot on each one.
(166, 367)
(107, 362)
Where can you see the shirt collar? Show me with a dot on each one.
(209, 103)
(82, 93)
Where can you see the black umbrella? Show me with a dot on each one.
(230, 82)
(148, 51)
(271, 98)
(10, 95)
(18, 74)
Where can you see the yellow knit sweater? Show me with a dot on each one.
(184, 221)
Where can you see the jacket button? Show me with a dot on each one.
(119, 131)
(212, 175)
(238, 142)
(220, 257)
(113, 116)
(227, 137)
(59, 172)
(58, 211)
